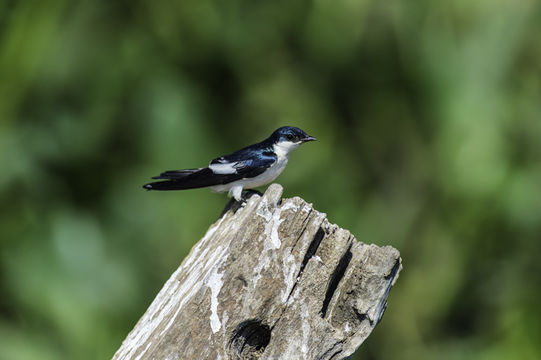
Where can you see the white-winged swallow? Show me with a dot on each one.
(250, 167)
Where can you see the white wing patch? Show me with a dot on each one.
(227, 168)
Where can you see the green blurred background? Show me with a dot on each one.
(428, 118)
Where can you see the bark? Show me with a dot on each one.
(271, 280)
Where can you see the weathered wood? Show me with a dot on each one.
(273, 280)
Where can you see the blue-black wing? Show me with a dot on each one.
(243, 164)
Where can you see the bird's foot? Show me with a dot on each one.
(234, 204)
(247, 194)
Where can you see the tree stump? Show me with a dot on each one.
(270, 280)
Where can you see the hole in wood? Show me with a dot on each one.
(249, 340)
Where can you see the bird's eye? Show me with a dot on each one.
(290, 137)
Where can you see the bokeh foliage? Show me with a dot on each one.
(428, 115)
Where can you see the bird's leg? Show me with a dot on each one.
(236, 192)
(241, 195)
(237, 200)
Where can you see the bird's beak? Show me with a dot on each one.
(309, 138)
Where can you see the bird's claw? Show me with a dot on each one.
(247, 194)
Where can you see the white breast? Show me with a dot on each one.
(270, 174)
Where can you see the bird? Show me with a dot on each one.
(250, 167)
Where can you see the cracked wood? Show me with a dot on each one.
(270, 280)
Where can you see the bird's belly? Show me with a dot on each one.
(262, 179)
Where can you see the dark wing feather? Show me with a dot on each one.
(247, 165)
(253, 152)
(202, 178)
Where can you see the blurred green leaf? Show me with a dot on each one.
(427, 115)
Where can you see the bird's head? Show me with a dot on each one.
(288, 138)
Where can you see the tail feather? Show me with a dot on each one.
(165, 185)
(186, 179)
(176, 174)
